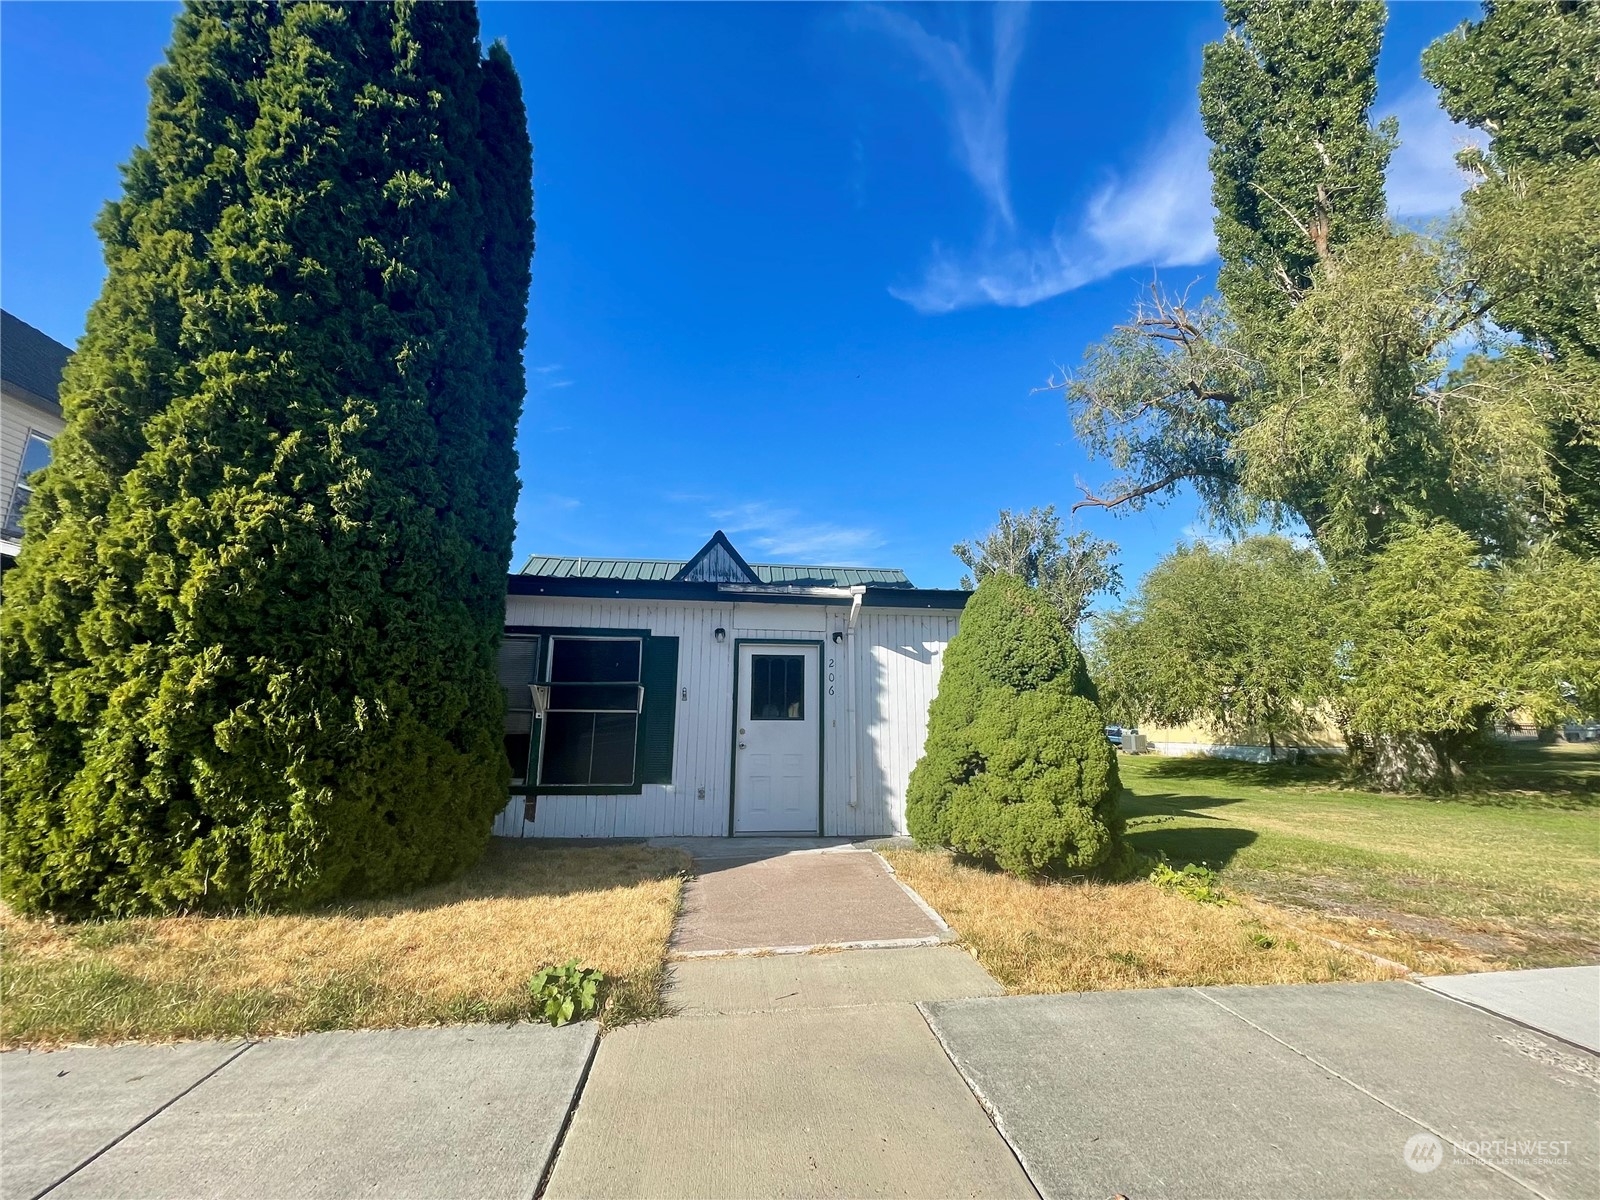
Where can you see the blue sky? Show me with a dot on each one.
(800, 269)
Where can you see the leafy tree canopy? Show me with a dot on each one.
(1525, 74)
(1327, 386)
(1237, 637)
(1297, 168)
(1070, 571)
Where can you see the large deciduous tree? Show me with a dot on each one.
(1438, 642)
(1326, 385)
(1238, 637)
(249, 643)
(1526, 74)
(1070, 570)
(1296, 165)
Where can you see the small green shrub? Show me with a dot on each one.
(565, 993)
(1197, 882)
(1017, 771)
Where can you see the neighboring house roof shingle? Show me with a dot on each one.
(31, 362)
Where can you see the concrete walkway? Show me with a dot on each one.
(792, 1074)
(464, 1111)
(797, 1075)
(800, 901)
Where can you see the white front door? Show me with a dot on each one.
(777, 747)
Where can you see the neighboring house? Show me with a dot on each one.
(1199, 738)
(30, 416)
(712, 697)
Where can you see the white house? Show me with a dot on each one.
(714, 697)
(30, 417)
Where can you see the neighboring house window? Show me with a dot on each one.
(35, 455)
(591, 721)
(519, 664)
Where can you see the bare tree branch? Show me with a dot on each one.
(1090, 500)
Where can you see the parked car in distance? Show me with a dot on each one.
(1114, 735)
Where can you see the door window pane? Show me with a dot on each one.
(777, 687)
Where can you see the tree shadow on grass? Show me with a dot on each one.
(1212, 846)
(512, 870)
(1325, 771)
(1152, 827)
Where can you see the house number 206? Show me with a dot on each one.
(830, 677)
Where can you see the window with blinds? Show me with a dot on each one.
(519, 666)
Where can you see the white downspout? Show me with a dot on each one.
(856, 593)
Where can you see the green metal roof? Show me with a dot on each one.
(662, 569)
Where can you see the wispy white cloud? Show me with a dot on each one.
(1423, 179)
(559, 383)
(551, 501)
(977, 105)
(547, 369)
(771, 531)
(1157, 214)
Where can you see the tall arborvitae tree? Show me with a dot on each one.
(1297, 167)
(1528, 74)
(249, 642)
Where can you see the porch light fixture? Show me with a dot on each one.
(720, 634)
(838, 637)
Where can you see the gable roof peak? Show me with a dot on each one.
(717, 562)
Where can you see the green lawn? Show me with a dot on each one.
(1507, 873)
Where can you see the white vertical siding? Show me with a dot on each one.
(700, 740)
(898, 655)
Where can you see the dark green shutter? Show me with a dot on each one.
(659, 675)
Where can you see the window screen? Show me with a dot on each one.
(519, 661)
(591, 728)
(777, 687)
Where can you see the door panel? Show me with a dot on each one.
(777, 748)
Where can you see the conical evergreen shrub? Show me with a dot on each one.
(249, 642)
(1016, 771)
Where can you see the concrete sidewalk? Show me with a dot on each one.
(1561, 1001)
(797, 1075)
(1317, 1090)
(461, 1111)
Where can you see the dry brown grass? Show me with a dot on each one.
(461, 951)
(1079, 936)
